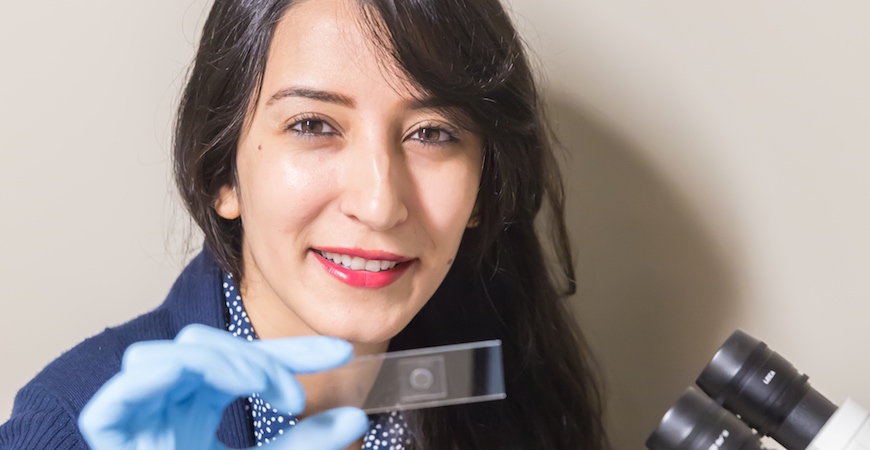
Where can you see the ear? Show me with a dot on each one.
(474, 220)
(227, 203)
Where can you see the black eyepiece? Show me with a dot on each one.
(766, 391)
(697, 422)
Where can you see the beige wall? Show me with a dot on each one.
(718, 153)
(90, 232)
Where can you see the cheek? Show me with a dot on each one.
(447, 198)
(281, 191)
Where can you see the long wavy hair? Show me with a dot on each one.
(504, 284)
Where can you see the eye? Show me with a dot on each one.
(310, 126)
(432, 135)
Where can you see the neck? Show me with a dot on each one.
(344, 386)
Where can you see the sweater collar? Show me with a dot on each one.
(196, 295)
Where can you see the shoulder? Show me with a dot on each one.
(42, 424)
(54, 398)
(74, 377)
(47, 408)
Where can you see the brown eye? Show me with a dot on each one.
(431, 135)
(311, 127)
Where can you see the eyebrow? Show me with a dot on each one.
(314, 94)
(344, 100)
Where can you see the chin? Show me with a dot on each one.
(360, 331)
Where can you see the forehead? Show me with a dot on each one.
(327, 43)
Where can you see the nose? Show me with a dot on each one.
(374, 186)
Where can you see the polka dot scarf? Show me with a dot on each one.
(386, 431)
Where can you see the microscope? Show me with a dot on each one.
(748, 391)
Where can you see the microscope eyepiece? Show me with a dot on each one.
(695, 421)
(766, 391)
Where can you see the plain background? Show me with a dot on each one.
(717, 159)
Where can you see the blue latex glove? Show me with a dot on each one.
(171, 394)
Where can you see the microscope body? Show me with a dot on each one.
(847, 429)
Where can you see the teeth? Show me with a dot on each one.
(357, 263)
(373, 266)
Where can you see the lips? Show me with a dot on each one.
(362, 268)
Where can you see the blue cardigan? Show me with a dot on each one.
(46, 409)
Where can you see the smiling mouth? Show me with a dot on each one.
(357, 263)
(359, 272)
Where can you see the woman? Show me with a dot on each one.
(366, 170)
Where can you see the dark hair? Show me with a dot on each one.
(466, 54)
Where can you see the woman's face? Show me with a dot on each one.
(353, 194)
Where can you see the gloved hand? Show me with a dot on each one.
(171, 394)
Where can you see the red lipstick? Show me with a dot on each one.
(363, 278)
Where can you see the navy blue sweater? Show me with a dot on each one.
(47, 408)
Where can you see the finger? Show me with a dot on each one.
(334, 429)
(103, 419)
(159, 377)
(228, 364)
(164, 384)
(232, 370)
(308, 354)
(304, 354)
(276, 358)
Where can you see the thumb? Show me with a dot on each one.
(334, 429)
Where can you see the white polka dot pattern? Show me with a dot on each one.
(386, 431)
